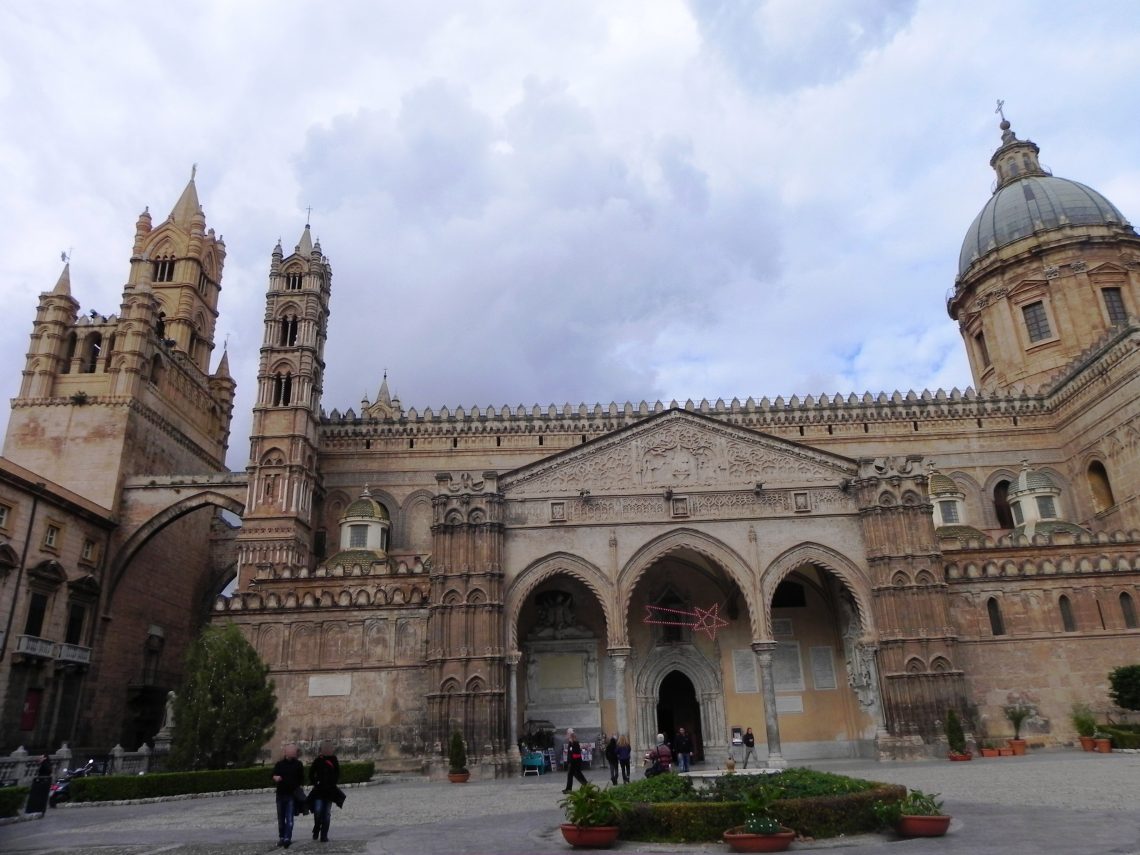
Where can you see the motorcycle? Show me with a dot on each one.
(61, 789)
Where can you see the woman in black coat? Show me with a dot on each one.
(323, 775)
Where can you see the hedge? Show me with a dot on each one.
(12, 800)
(118, 787)
(1121, 737)
(814, 816)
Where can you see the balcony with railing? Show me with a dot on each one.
(73, 653)
(35, 647)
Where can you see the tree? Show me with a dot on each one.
(227, 707)
(1125, 683)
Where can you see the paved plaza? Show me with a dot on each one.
(1065, 802)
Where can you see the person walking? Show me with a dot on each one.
(323, 775)
(623, 752)
(612, 758)
(289, 776)
(683, 747)
(749, 746)
(573, 761)
(41, 787)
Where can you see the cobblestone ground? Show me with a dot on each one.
(1064, 802)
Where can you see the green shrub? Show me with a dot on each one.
(1121, 738)
(796, 783)
(1084, 723)
(658, 789)
(456, 754)
(815, 816)
(12, 800)
(116, 787)
(1124, 685)
(955, 738)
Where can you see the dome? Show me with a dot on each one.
(1029, 200)
(1032, 204)
(940, 485)
(1031, 481)
(366, 508)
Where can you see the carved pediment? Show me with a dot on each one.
(677, 450)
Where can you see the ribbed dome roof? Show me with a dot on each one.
(1029, 200)
(940, 485)
(366, 508)
(1031, 481)
(1031, 204)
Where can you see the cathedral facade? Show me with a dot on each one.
(834, 572)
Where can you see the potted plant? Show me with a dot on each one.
(592, 816)
(956, 738)
(1084, 724)
(1103, 742)
(457, 759)
(918, 815)
(1017, 713)
(987, 748)
(761, 831)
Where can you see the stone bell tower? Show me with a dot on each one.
(106, 397)
(277, 534)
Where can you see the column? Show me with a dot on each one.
(763, 651)
(514, 758)
(618, 658)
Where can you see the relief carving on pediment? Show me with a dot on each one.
(677, 457)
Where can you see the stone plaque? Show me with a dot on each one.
(609, 679)
(561, 671)
(744, 671)
(790, 703)
(782, 628)
(823, 668)
(787, 671)
(329, 685)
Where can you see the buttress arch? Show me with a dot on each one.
(679, 540)
(559, 563)
(853, 578)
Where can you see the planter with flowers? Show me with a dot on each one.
(1017, 713)
(761, 831)
(592, 816)
(918, 815)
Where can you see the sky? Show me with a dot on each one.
(536, 203)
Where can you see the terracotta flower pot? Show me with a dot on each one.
(1104, 746)
(458, 777)
(590, 836)
(1018, 746)
(922, 826)
(965, 755)
(1087, 743)
(1005, 752)
(740, 840)
(989, 752)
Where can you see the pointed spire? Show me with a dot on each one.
(305, 244)
(187, 205)
(63, 286)
(223, 365)
(383, 396)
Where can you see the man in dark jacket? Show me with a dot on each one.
(573, 761)
(749, 747)
(323, 775)
(683, 748)
(289, 776)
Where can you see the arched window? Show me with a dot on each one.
(293, 279)
(156, 369)
(1067, 621)
(1100, 487)
(288, 331)
(1001, 504)
(1128, 609)
(92, 347)
(997, 625)
(160, 326)
(109, 350)
(282, 390)
(68, 354)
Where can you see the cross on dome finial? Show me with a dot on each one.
(193, 170)
(999, 110)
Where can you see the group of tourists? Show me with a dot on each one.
(289, 776)
(617, 752)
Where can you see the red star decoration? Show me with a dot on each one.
(709, 620)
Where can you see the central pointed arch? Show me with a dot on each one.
(708, 684)
(680, 540)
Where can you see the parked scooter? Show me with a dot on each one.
(61, 789)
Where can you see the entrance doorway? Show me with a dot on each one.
(677, 707)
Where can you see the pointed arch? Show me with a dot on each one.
(853, 578)
(560, 563)
(680, 540)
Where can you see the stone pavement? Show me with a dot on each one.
(1064, 802)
